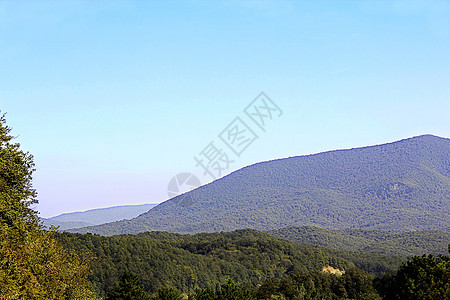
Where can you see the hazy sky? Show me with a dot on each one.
(114, 98)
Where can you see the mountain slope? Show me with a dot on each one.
(370, 241)
(403, 186)
(97, 216)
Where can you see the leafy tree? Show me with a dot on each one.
(203, 294)
(16, 191)
(232, 291)
(358, 284)
(33, 264)
(354, 284)
(422, 277)
(169, 293)
(128, 288)
(228, 291)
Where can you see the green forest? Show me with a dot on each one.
(247, 260)
(206, 260)
(41, 263)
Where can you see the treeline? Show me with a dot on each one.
(206, 260)
(422, 277)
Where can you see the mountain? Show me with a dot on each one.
(65, 225)
(97, 216)
(370, 241)
(400, 186)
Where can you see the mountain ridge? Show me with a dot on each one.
(402, 185)
(96, 216)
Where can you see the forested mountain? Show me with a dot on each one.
(370, 241)
(401, 186)
(205, 260)
(97, 216)
(36, 263)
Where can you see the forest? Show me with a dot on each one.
(187, 262)
(247, 260)
(413, 280)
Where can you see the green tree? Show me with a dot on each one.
(422, 277)
(232, 291)
(129, 287)
(33, 264)
(203, 294)
(169, 293)
(358, 284)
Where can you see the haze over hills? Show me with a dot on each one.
(97, 216)
(401, 186)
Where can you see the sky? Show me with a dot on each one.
(116, 98)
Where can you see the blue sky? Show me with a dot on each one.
(114, 98)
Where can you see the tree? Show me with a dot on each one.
(129, 287)
(33, 264)
(169, 293)
(203, 294)
(16, 191)
(422, 277)
(358, 284)
(232, 291)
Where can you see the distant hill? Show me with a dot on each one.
(400, 186)
(370, 241)
(97, 216)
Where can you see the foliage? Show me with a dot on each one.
(33, 264)
(129, 287)
(354, 284)
(16, 191)
(376, 264)
(312, 285)
(204, 261)
(168, 293)
(234, 292)
(422, 277)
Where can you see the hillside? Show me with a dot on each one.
(370, 241)
(400, 186)
(97, 216)
(204, 260)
